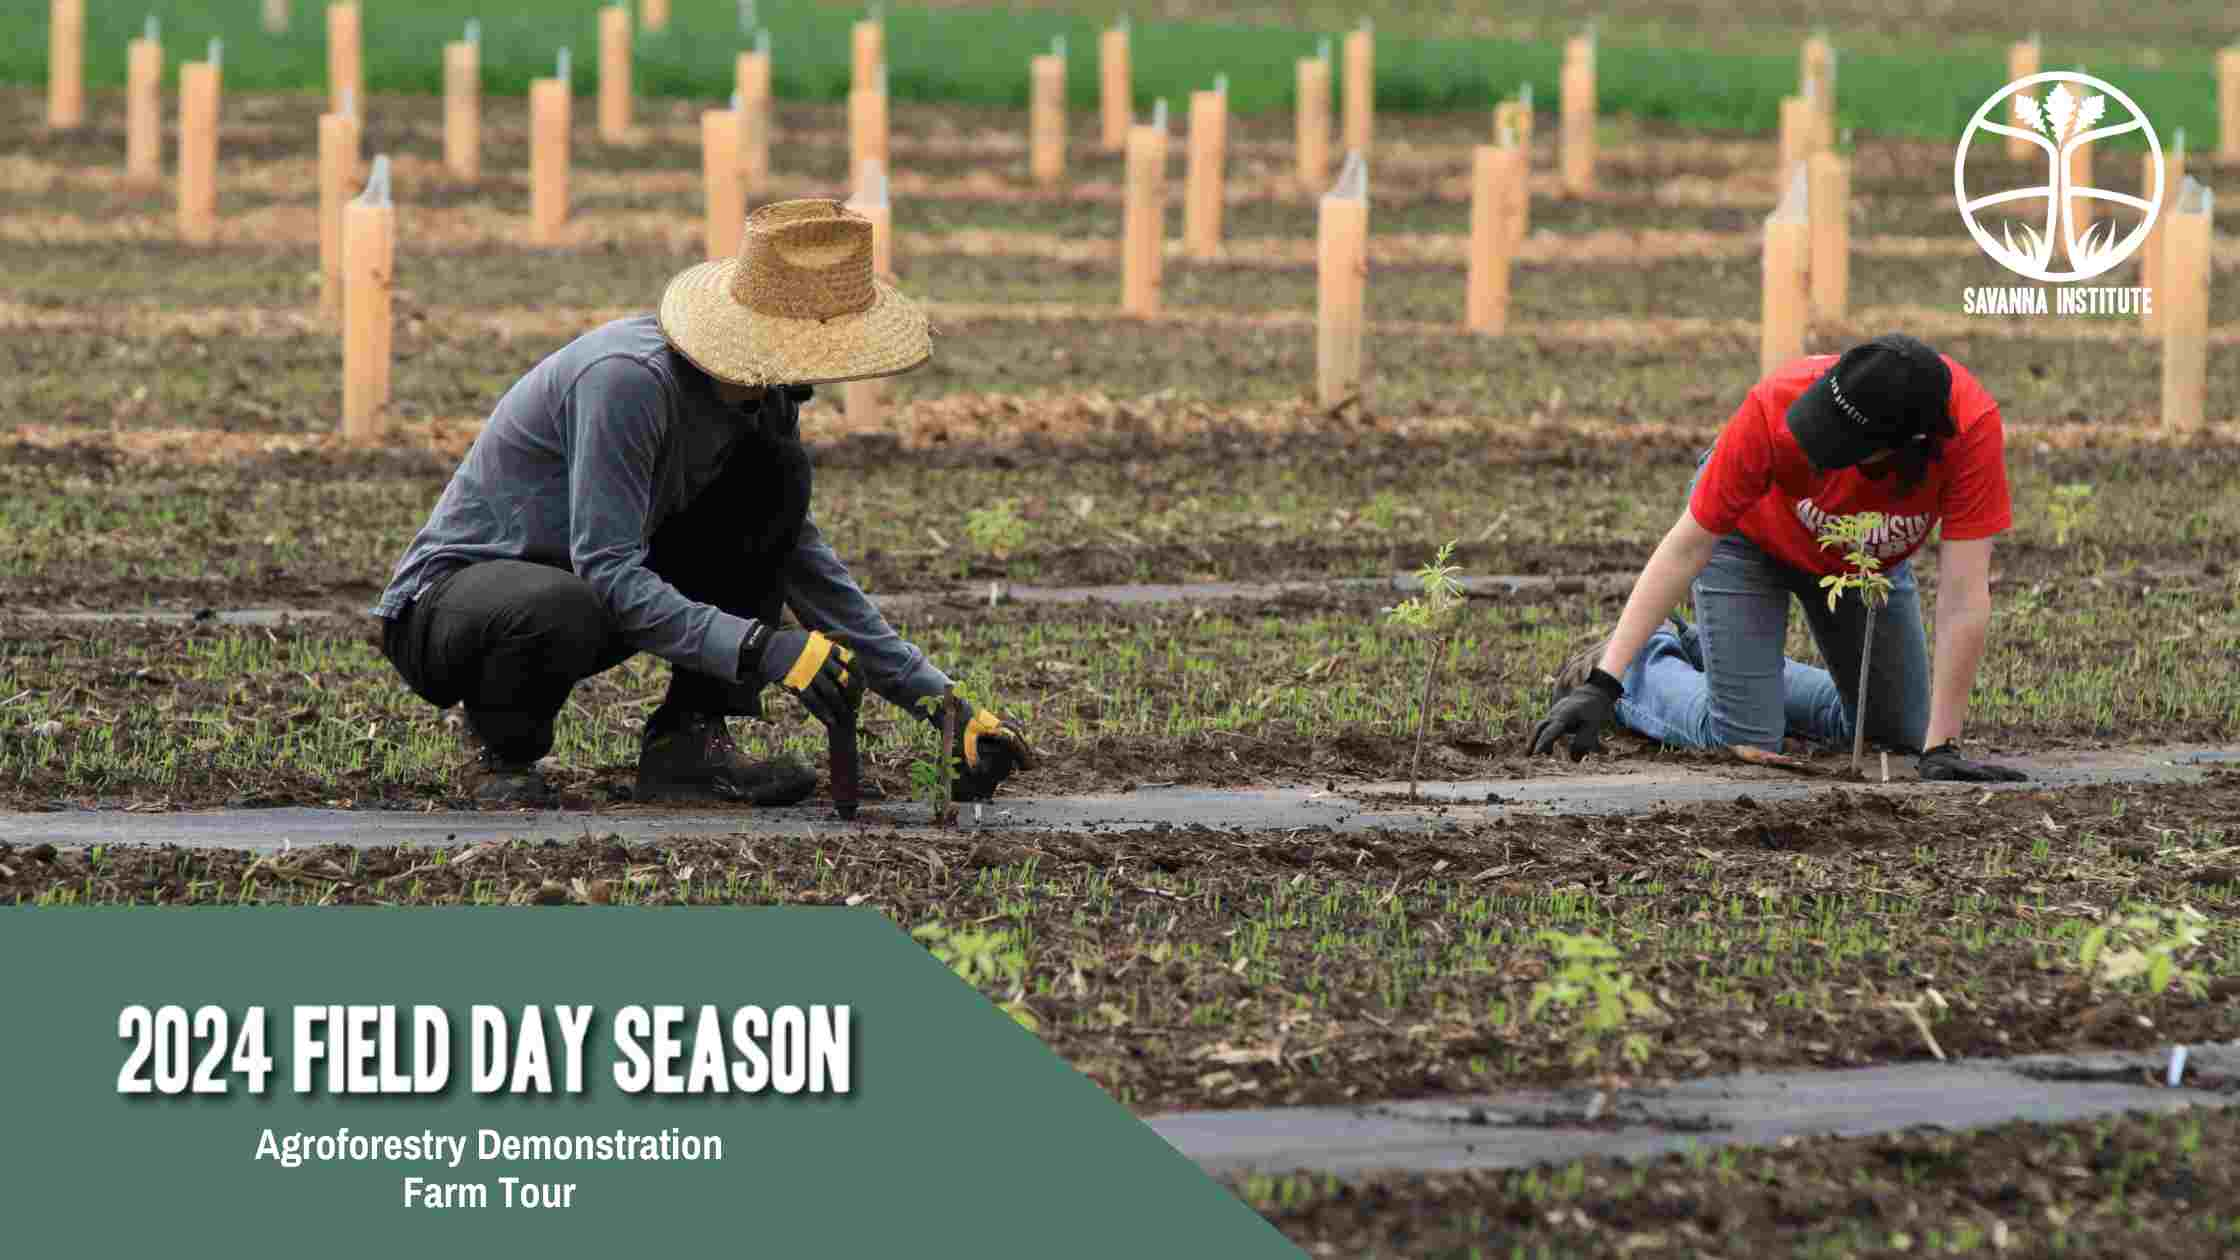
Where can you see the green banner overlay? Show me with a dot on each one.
(765, 1081)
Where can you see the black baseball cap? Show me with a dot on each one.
(1879, 396)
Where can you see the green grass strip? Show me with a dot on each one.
(980, 57)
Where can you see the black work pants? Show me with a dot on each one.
(510, 639)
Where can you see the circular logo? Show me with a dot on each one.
(2070, 111)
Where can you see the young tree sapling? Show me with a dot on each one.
(1430, 615)
(1865, 576)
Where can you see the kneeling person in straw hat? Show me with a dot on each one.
(645, 489)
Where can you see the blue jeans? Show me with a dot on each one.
(1725, 681)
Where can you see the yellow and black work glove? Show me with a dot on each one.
(988, 751)
(814, 668)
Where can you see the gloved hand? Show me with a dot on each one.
(1944, 763)
(988, 750)
(1580, 715)
(812, 667)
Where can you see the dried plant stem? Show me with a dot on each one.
(1423, 715)
(1859, 710)
(952, 716)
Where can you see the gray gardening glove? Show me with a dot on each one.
(1580, 715)
(1945, 764)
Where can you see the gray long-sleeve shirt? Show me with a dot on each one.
(583, 460)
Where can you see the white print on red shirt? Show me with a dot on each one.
(1897, 536)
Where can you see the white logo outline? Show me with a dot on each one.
(2100, 259)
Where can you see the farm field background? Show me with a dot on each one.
(168, 445)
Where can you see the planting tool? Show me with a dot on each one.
(1777, 761)
(846, 767)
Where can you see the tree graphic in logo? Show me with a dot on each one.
(2065, 120)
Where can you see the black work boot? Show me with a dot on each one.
(496, 783)
(691, 758)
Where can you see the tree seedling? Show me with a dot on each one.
(997, 529)
(1429, 615)
(2142, 949)
(2070, 509)
(1587, 978)
(933, 779)
(1855, 532)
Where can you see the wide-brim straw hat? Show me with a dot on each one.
(798, 306)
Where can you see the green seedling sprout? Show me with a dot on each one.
(1587, 978)
(933, 779)
(996, 529)
(2141, 949)
(1431, 616)
(2070, 509)
(1865, 576)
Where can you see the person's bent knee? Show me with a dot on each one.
(559, 618)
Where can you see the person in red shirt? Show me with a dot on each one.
(1891, 426)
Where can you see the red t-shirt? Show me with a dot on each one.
(1760, 483)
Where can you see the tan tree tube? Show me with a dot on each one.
(2173, 171)
(1202, 188)
(1312, 139)
(338, 148)
(2081, 211)
(614, 74)
(143, 113)
(1143, 219)
(1816, 83)
(1578, 116)
(1828, 202)
(1046, 122)
(1512, 128)
(277, 16)
(2022, 62)
(1341, 284)
(719, 176)
(1360, 89)
(462, 109)
(66, 65)
(868, 49)
(198, 152)
(1784, 298)
(2185, 310)
(865, 401)
(549, 107)
(345, 57)
(1486, 305)
(753, 88)
(655, 14)
(867, 125)
(369, 267)
(2228, 105)
(1114, 84)
(1801, 131)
